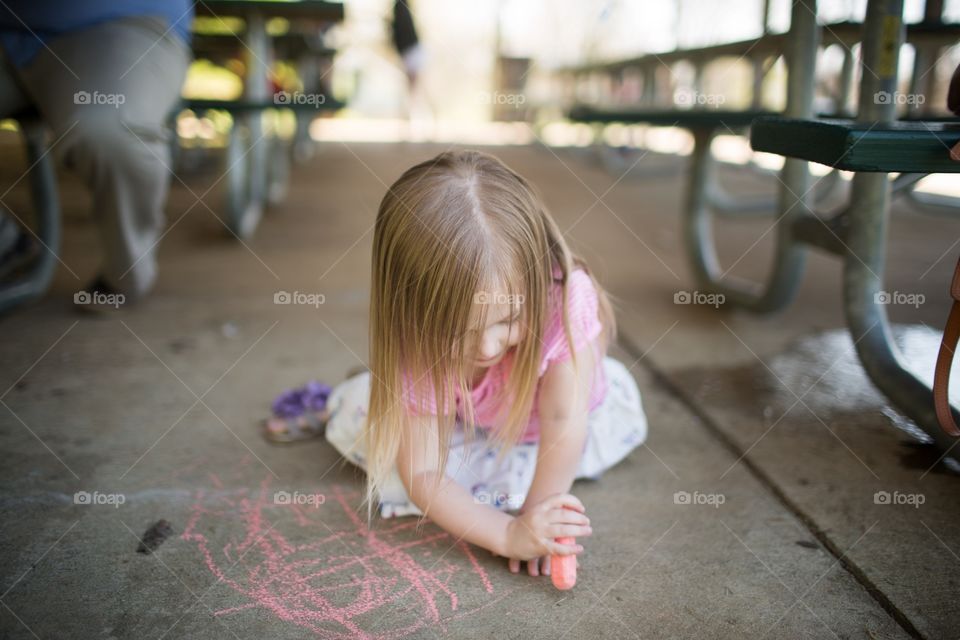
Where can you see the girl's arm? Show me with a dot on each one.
(449, 505)
(563, 409)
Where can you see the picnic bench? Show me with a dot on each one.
(928, 37)
(872, 145)
(704, 125)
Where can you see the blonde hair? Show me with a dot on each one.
(448, 228)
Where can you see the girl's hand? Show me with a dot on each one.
(530, 535)
(535, 567)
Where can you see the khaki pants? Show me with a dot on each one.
(106, 93)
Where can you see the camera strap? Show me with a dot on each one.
(948, 346)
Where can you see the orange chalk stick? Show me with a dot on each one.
(563, 569)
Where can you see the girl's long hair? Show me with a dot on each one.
(448, 230)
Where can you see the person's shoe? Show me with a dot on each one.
(99, 297)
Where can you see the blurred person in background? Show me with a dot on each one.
(104, 76)
(403, 33)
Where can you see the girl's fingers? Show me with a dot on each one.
(514, 565)
(569, 531)
(567, 516)
(546, 565)
(565, 500)
(533, 566)
(558, 549)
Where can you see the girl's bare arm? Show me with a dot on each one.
(563, 409)
(448, 504)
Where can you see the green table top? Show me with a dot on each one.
(904, 146)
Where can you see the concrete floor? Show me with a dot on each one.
(160, 404)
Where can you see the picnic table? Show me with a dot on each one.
(256, 166)
(872, 145)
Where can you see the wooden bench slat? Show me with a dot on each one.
(286, 46)
(236, 106)
(903, 146)
(846, 33)
(302, 10)
(687, 118)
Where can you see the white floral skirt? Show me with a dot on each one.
(615, 428)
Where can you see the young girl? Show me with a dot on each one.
(489, 387)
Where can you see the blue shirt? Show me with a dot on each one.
(47, 19)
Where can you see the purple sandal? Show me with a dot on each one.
(298, 414)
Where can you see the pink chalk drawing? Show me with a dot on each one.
(346, 580)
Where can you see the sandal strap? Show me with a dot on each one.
(296, 431)
(312, 425)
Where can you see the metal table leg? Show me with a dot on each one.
(867, 238)
(867, 317)
(244, 200)
(794, 192)
(43, 189)
(246, 156)
(280, 155)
